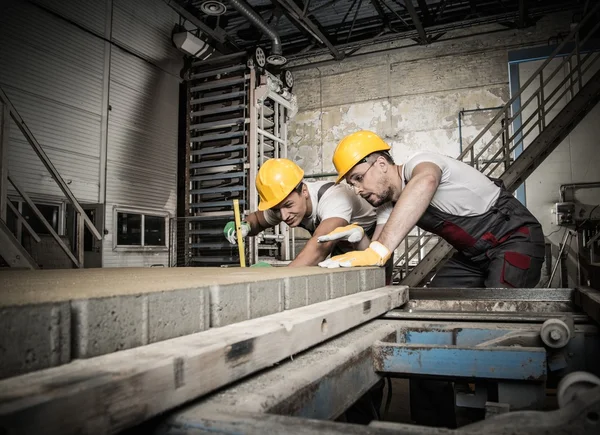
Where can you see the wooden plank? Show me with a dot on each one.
(37, 147)
(589, 300)
(112, 392)
(230, 423)
(302, 387)
(23, 221)
(43, 220)
(4, 141)
(80, 238)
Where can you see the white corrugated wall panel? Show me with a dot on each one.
(145, 27)
(53, 73)
(142, 126)
(87, 13)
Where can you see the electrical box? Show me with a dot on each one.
(565, 212)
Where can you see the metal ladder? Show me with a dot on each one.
(217, 95)
(544, 128)
(237, 121)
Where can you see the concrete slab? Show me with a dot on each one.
(36, 286)
(176, 370)
(118, 309)
(34, 338)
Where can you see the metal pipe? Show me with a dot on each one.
(246, 10)
(321, 175)
(588, 185)
(565, 241)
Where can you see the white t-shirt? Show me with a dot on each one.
(337, 201)
(463, 190)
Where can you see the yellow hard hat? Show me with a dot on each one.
(355, 147)
(276, 179)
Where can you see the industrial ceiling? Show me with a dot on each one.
(341, 27)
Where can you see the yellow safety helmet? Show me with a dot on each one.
(355, 147)
(276, 179)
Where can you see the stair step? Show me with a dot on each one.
(220, 176)
(217, 190)
(216, 110)
(218, 60)
(214, 163)
(207, 232)
(205, 205)
(214, 72)
(218, 136)
(267, 123)
(213, 260)
(217, 84)
(213, 245)
(220, 97)
(218, 124)
(219, 150)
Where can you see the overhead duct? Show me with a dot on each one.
(276, 57)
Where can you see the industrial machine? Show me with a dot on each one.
(526, 359)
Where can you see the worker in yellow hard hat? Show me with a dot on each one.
(499, 242)
(320, 207)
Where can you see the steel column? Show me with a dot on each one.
(417, 22)
(4, 143)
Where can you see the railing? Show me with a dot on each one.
(492, 150)
(82, 219)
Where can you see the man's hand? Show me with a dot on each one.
(352, 233)
(375, 255)
(230, 233)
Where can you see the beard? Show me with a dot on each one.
(377, 200)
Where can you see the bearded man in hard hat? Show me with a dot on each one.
(499, 242)
(320, 207)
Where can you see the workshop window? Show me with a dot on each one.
(140, 230)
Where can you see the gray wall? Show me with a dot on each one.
(575, 160)
(106, 116)
(412, 95)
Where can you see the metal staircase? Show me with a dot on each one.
(545, 126)
(238, 119)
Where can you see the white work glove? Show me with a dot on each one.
(352, 233)
(230, 233)
(375, 255)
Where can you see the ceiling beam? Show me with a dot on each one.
(522, 23)
(417, 22)
(381, 13)
(440, 11)
(297, 13)
(424, 12)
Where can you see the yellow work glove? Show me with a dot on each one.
(353, 233)
(375, 255)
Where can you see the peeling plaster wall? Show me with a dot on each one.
(411, 96)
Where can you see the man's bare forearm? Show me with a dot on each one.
(257, 223)
(411, 205)
(312, 253)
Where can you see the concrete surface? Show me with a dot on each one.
(108, 310)
(296, 385)
(34, 337)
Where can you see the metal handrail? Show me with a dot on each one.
(571, 37)
(511, 141)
